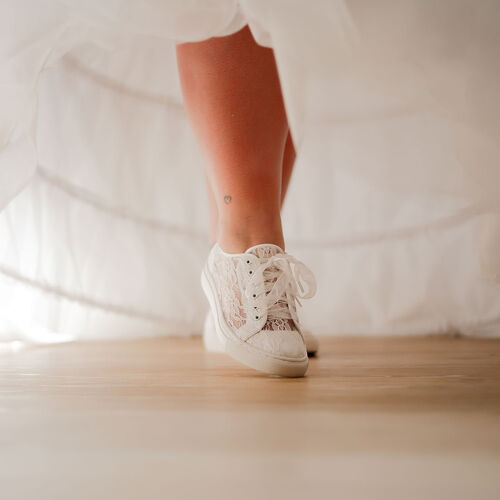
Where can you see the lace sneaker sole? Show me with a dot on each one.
(242, 351)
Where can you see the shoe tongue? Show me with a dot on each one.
(264, 250)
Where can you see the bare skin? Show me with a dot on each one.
(233, 99)
(288, 164)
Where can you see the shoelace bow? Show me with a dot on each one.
(284, 279)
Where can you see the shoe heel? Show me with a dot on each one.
(211, 340)
(218, 344)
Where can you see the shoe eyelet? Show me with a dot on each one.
(250, 272)
(248, 262)
(256, 317)
(254, 295)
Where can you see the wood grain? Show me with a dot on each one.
(374, 418)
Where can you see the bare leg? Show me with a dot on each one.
(213, 213)
(288, 163)
(287, 169)
(233, 98)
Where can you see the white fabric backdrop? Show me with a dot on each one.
(393, 203)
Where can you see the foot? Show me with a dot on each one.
(253, 298)
(213, 343)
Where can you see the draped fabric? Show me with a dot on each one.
(394, 203)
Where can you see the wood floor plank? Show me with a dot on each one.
(374, 418)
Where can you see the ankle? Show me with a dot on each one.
(236, 238)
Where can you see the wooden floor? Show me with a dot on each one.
(375, 418)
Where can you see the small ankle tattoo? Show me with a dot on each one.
(227, 199)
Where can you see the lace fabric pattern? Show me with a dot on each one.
(259, 290)
(229, 290)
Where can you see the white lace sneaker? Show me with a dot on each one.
(213, 343)
(253, 299)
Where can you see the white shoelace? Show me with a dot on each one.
(284, 279)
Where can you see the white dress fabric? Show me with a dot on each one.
(394, 108)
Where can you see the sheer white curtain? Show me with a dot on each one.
(393, 203)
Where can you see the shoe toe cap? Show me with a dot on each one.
(287, 344)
